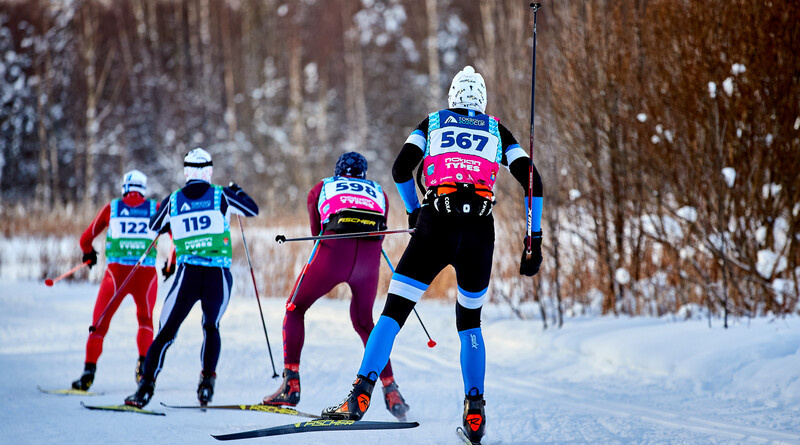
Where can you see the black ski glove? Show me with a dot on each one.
(168, 270)
(235, 188)
(412, 218)
(91, 257)
(529, 266)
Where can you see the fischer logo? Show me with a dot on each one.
(365, 222)
(472, 165)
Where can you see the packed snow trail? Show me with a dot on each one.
(596, 380)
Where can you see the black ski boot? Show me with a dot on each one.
(87, 378)
(394, 401)
(205, 387)
(143, 393)
(474, 418)
(354, 405)
(289, 392)
(139, 368)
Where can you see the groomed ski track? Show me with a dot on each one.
(597, 380)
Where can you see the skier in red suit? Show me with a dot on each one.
(127, 238)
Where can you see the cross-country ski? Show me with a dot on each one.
(122, 408)
(69, 392)
(317, 426)
(260, 408)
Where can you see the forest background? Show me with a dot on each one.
(667, 133)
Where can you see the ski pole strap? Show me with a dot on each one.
(280, 239)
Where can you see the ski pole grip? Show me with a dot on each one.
(92, 328)
(280, 239)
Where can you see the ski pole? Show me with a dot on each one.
(93, 327)
(280, 239)
(431, 343)
(290, 305)
(255, 287)
(529, 219)
(50, 282)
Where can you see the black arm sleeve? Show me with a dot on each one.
(241, 202)
(403, 168)
(409, 157)
(158, 221)
(519, 169)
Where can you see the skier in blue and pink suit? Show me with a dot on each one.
(344, 203)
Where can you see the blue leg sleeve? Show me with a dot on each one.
(473, 360)
(379, 347)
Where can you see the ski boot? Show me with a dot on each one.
(87, 378)
(355, 404)
(143, 393)
(474, 418)
(139, 368)
(394, 401)
(205, 387)
(289, 392)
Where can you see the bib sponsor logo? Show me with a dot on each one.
(365, 222)
(124, 212)
(469, 121)
(472, 165)
(450, 120)
(132, 245)
(186, 207)
(198, 243)
(355, 200)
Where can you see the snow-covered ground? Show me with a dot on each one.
(598, 380)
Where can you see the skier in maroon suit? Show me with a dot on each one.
(344, 203)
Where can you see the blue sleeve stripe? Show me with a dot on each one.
(535, 217)
(417, 138)
(515, 152)
(408, 193)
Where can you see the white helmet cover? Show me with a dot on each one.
(467, 90)
(134, 181)
(197, 165)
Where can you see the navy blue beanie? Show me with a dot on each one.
(351, 164)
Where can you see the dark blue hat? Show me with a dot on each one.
(351, 164)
